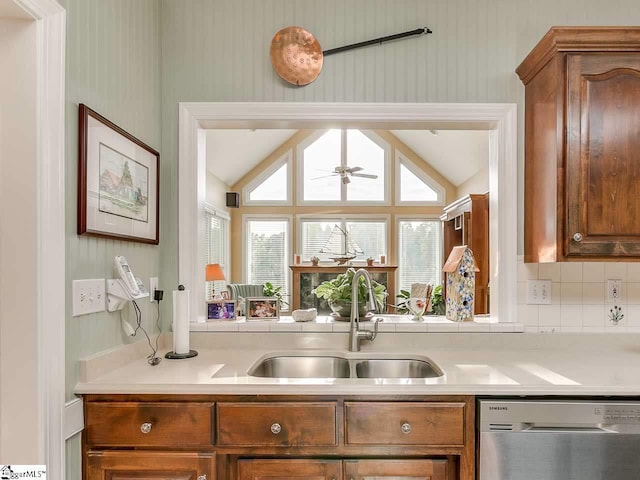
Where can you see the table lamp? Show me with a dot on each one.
(214, 272)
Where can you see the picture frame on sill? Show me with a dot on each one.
(118, 182)
(222, 310)
(262, 308)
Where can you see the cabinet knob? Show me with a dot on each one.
(145, 427)
(406, 427)
(577, 237)
(276, 428)
(202, 477)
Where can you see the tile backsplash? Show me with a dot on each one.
(579, 297)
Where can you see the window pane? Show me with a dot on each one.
(315, 236)
(268, 253)
(413, 189)
(272, 188)
(420, 253)
(217, 249)
(371, 237)
(364, 152)
(319, 160)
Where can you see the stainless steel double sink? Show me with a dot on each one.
(330, 365)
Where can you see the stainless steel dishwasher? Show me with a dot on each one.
(559, 440)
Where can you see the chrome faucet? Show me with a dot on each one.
(355, 334)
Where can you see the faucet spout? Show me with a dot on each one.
(355, 334)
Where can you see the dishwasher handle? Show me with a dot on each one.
(541, 428)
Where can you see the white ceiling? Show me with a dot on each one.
(457, 154)
(8, 9)
(233, 153)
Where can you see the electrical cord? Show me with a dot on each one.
(151, 358)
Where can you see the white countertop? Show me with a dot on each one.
(474, 364)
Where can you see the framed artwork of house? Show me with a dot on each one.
(118, 182)
(461, 270)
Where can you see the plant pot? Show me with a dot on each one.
(343, 309)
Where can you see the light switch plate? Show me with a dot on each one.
(539, 292)
(614, 291)
(88, 296)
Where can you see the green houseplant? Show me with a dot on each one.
(337, 293)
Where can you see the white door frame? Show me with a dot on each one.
(499, 118)
(50, 20)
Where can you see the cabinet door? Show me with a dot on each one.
(289, 469)
(603, 155)
(131, 465)
(395, 470)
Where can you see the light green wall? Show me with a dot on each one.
(113, 66)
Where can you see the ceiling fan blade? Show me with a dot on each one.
(345, 180)
(364, 175)
(354, 169)
(325, 176)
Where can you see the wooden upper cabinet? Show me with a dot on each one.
(582, 145)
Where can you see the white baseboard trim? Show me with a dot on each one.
(73, 418)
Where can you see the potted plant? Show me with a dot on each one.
(270, 291)
(437, 302)
(337, 293)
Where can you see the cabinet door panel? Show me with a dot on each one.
(131, 465)
(289, 470)
(603, 155)
(395, 469)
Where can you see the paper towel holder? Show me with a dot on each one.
(179, 356)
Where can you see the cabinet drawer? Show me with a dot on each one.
(166, 424)
(373, 423)
(276, 424)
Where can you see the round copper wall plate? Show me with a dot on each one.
(296, 55)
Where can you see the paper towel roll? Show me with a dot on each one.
(181, 321)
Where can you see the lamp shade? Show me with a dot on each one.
(214, 272)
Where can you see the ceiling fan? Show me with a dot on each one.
(345, 172)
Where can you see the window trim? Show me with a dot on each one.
(371, 135)
(413, 218)
(402, 159)
(246, 218)
(286, 158)
(345, 217)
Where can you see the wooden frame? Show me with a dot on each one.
(269, 305)
(111, 204)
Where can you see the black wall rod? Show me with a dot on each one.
(417, 31)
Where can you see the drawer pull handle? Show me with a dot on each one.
(145, 427)
(406, 427)
(276, 428)
(202, 477)
(577, 237)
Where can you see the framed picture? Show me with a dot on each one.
(262, 308)
(118, 182)
(223, 310)
(225, 294)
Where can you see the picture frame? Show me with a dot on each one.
(225, 294)
(262, 308)
(118, 182)
(222, 310)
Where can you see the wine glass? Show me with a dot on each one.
(417, 306)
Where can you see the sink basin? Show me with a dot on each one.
(396, 368)
(338, 365)
(302, 367)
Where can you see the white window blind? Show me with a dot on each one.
(216, 247)
(268, 254)
(419, 252)
(369, 235)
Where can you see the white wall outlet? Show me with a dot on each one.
(153, 286)
(88, 296)
(614, 291)
(539, 292)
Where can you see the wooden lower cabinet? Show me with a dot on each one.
(138, 465)
(435, 469)
(311, 469)
(250, 469)
(278, 437)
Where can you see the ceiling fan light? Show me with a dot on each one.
(345, 179)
